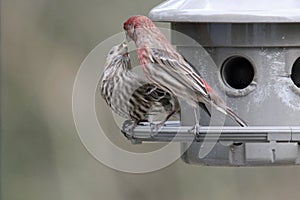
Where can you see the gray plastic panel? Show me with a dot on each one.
(239, 34)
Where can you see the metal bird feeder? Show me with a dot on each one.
(256, 48)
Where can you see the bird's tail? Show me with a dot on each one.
(235, 117)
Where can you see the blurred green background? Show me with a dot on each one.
(43, 43)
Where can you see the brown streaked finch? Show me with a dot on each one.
(129, 95)
(165, 67)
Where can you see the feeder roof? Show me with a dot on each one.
(228, 11)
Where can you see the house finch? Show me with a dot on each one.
(130, 96)
(165, 67)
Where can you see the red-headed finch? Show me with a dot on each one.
(165, 67)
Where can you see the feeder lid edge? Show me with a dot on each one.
(227, 11)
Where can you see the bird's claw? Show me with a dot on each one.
(154, 129)
(196, 131)
(128, 127)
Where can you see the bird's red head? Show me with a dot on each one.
(136, 22)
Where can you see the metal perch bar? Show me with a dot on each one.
(176, 133)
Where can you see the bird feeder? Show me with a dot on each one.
(256, 49)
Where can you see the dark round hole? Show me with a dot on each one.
(237, 72)
(296, 72)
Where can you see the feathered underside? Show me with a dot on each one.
(131, 97)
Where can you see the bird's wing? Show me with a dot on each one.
(154, 92)
(181, 70)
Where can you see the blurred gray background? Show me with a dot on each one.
(42, 46)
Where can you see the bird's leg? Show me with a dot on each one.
(156, 127)
(196, 128)
(153, 126)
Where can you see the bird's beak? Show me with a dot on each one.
(123, 44)
(123, 47)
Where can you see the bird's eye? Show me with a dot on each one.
(111, 52)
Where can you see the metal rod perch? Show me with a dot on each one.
(176, 133)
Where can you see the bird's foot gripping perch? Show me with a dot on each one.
(196, 131)
(155, 128)
(128, 127)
